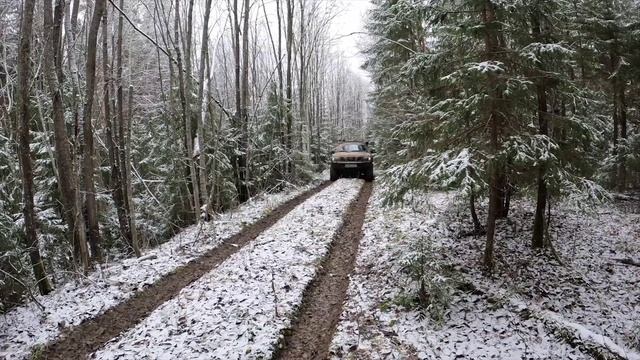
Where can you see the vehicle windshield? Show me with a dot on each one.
(352, 148)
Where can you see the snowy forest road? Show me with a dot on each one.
(242, 308)
(319, 314)
(82, 340)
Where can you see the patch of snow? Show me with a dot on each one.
(584, 334)
(375, 325)
(240, 309)
(196, 147)
(26, 327)
(591, 288)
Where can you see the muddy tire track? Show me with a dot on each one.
(311, 333)
(80, 341)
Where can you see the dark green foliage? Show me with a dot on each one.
(433, 284)
(538, 101)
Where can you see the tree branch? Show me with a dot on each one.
(216, 101)
(26, 287)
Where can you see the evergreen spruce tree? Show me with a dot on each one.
(489, 104)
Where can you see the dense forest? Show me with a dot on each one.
(122, 122)
(320, 179)
(498, 99)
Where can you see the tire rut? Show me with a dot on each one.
(80, 341)
(311, 333)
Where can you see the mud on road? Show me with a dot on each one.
(318, 316)
(82, 340)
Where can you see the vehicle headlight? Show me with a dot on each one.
(335, 158)
(369, 158)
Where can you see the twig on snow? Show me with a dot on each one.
(33, 297)
(628, 261)
(147, 257)
(275, 294)
(547, 236)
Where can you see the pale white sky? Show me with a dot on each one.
(350, 18)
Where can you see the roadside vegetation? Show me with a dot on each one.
(170, 176)
(526, 115)
(122, 122)
(507, 99)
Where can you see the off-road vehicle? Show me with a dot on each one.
(352, 159)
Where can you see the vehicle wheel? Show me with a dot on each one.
(333, 174)
(368, 177)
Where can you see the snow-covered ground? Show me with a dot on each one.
(27, 326)
(239, 309)
(527, 309)
(534, 306)
(589, 296)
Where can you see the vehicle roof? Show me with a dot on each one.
(351, 142)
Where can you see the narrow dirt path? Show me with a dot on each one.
(311, 334)
(80, 341)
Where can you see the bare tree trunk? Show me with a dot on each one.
(302, 76)
(491, 47)
(71, 20)
(281, 128)
(504, 193)
(28, 211)
(202, 108)
(319, 120)
(241, 96)
(539, 220)
(120, 124)
(116, 177)
(477, 227)
(66, 176)
(290, 5)
(622, 167)
(614, 63)
(80, 243)
(135, 243)
(122, 157)
(244, 118)
(338, 112)
(189, 128)
(182, 99)
(277, 55)
(238, 91)
(212, 200)
(80, 249)
(185, 98)
(86, 140)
